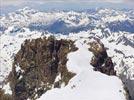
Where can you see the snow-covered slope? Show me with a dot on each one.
(113, 27)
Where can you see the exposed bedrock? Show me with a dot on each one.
(101, 61)
(36, 66)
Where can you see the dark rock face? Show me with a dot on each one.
(129, 85)
(37, 65)
(128, 82)
(100, 61)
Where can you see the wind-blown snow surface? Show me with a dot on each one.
(113, 27)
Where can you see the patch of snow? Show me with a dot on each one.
(7, 89)
(58, 77)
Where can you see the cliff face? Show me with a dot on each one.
(36, 66)
(101, 61)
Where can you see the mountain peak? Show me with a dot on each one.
(27, 10)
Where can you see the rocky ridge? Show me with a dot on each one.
(36, 66)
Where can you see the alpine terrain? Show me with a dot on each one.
(67, 55)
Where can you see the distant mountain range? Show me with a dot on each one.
(67, 22)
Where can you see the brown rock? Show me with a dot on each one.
(40, 61)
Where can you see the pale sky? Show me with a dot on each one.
(7, 6)
(16, 2)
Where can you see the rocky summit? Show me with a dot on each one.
(36, 66)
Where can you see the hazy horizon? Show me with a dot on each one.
(48, 5)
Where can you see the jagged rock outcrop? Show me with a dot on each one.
(36, 66)
(100, 61)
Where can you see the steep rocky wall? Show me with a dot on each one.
(101, 61)
(129, 83)
(36, 66)
(130, 86)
